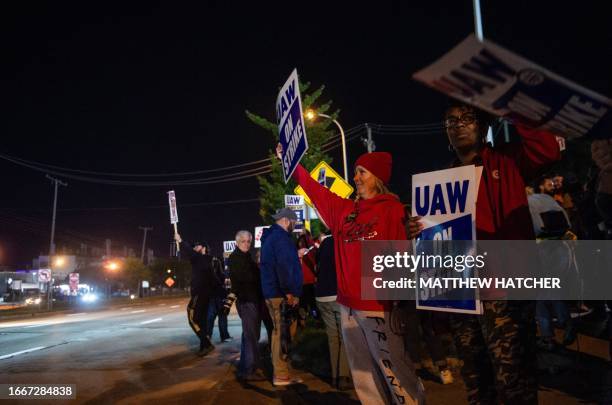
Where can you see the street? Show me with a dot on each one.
(142, 352)
(128, 354)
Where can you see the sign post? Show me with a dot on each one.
(173, 215)
(291, 129)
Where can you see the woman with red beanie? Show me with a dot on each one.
(375, 214)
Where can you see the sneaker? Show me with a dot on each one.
(280, 381)
(227, 339)
(446, 377)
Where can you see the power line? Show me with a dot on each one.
(331, 144)
(65, 172)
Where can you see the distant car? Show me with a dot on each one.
(32, 297)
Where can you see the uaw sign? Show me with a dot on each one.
(229, 246)
(446, 201)
(296, 204)
(291, 130)
(496, 80)
(173, 209)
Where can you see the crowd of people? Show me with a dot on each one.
(321, 277)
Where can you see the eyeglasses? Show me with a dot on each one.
(465, 119)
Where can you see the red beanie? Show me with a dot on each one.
(377, 163)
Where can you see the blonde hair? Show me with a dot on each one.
(381, 188)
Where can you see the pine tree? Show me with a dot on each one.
(272, 187)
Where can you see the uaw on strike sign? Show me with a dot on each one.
(446, 201)
(496, 80)
(291, 130)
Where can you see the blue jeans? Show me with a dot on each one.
(251, 328)
(215, 308)
(546, 310)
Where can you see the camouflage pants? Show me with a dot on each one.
(499, 353)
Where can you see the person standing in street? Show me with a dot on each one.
(202, 281)
(215, 308)
(246, 284)
(281, 281)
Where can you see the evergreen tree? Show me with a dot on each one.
(272, 187)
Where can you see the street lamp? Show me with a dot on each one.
(311, 115)
(112, 266)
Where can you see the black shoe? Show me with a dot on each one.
(255, 376)
(206, 350)
(344, 384)
(570, 336)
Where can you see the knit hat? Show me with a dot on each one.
(377, 163)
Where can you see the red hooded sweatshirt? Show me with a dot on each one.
(379, 218)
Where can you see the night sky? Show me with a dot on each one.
(162, 88)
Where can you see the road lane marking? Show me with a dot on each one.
(139, 311)
(175, 306)
(37, 326)
(8, 356)
(162, 305)
(78, 314)
(125, 309)
(151, 321)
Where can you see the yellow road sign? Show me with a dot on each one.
(326, 176)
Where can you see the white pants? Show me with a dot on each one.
(381, 374)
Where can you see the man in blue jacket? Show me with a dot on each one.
(281, 280)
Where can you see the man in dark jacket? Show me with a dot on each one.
(215, 307)
(281, 280)
(246, 284)
(325, 292)
(202, 284)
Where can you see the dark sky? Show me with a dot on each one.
(162, 87)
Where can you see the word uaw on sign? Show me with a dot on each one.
(498, 81)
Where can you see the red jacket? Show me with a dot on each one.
(502, 211)
(308, 263)
(379, 218)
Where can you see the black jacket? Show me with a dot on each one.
(326, 284)
(244, 274)
(203, 280)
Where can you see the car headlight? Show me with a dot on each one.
(90, 297)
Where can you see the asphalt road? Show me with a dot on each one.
(121, 355)
(146, 352)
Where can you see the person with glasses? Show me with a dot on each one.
(380, 372)
(498, 347)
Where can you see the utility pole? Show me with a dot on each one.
(142, 254)
(56, 183)
(369, 142)
(144, 240)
